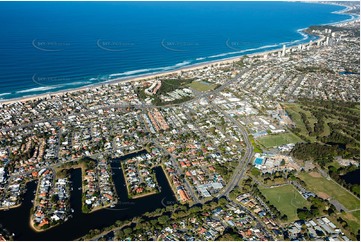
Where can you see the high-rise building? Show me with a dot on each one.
(284, 50)
(327, 42)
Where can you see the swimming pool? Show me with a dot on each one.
(258, 161)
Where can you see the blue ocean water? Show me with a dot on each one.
(52, 46)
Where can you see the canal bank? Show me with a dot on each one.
(17, 220)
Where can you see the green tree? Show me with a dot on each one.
(128, 231)
(163, 219)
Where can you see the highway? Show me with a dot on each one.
(242, 165)
(243, 162)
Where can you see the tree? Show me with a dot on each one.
(255, 172)
(284, 217)
(128, 231)
(54, 198)
(303, 213)
(163, 219)
(119, 234)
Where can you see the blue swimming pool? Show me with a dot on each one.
(258, 161)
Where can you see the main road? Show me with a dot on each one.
(244, 161)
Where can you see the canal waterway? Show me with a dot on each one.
(17, 220)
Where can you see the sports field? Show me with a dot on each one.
(286, 199)
(202, 86)
(327, 188)
(278, 139)
(353, 220)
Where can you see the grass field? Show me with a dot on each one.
(294, 111)
(278, 139)
(321, 185)
(329, 116)
(353, 220)
(286, 199)
(202, 86)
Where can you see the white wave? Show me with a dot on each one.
(352, 17)
(243, 51)
(262, 47)
(93, 79)
(4, 94)
(182, 63)
(38, 89)
(77, 83)
(224, 54)
(129, 73)
(201, 58)
(300, 31)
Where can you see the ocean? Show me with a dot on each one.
(52, 46)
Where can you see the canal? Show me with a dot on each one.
(17, 220)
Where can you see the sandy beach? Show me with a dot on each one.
(139, 77)
(144, 77)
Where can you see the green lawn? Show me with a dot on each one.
(353, 220)
(294, 111)
(256, 147)
(278, 139)
(321, 185)
(286, 199)
(202, 86)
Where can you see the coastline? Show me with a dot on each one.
(142, 77)
(154, 75)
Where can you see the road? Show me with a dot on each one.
(243, 163)
(245, 160)
(129, 105)
(240, 169)
(179, 171)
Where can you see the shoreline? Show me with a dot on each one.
(32, 226)
(142, 77)
(10, 207)
(227, 60)
(144, 195)
(171, 185)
